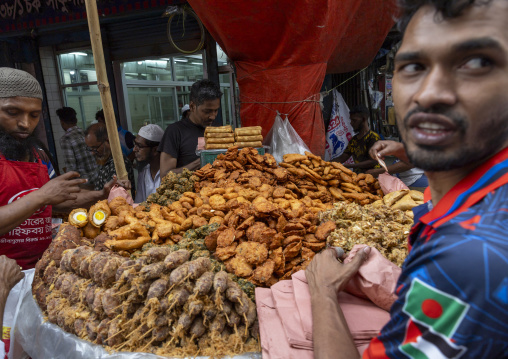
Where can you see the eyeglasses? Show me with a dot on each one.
(140, 146)
(95, 150)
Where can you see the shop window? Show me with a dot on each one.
(78, 81)
(157, 89)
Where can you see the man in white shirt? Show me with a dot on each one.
(145, 149)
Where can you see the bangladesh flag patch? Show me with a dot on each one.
(434, 318)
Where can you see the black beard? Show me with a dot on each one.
(432, 158)
(17, 150)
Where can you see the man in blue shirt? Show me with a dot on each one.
(451, 105)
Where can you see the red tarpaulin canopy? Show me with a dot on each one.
(282, 50)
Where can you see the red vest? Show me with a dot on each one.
(29, 240)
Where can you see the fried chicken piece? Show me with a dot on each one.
(324, 230)
(253, 252)
(131, 231)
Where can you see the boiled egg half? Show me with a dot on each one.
(99, 217)
(78, 217)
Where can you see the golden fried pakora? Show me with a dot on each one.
(226, 238)
(239, 266)
(324, 230)
(264, 272)
(253, 252)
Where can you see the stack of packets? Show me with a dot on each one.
(219, 137)
(248, 136)
(285, 313)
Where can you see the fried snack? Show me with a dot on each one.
(126, 244)
(90, 231)
(393, 197)
(78, 217)
(242, 138)
(218, 129)
(211, 140)
(293, 157)
(324, 230)
(378, 226)
(99, 212)
(405, 203)
(210, 135)
(253, 252)
(249, 144)
(416, 195)
(217, 146)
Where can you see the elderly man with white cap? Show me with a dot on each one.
(145, 149)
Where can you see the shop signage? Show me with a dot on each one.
(16, 15)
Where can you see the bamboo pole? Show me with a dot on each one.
(104, 89)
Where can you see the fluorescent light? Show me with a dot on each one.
(140, 62)
(181, 60)
(197, 63)
(79, 53)
(72, 72)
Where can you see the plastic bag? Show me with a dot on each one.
(283, 139)
(12, 309)
(42, 339)
(390, 183)
(339, 131)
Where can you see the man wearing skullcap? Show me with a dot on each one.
(28, 195)
(145, 149)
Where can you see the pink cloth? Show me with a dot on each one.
(274, 344)
(376, 279)
(285, 311)
(284, 298)
(390, 183)
(118, 191)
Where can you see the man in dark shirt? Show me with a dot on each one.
(96, 138)
(178, 146)
(360, 144)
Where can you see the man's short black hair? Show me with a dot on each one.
(67, 115)
(447, 9)
(361, 110)
(204, 90)
(99, 130)
(99, 114)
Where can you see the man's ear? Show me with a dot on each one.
(192, 106)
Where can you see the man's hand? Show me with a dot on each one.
(61, 189)
(381, 149)
(115, 181)
(325, 271)
(10, 273)
(375, 171)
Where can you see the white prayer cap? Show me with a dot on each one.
(151, 132)
(186, 107)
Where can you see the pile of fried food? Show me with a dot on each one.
(376, 225)
(172, 187)
(166, 301)
(297, 176)
(404, 199)
(342, 183)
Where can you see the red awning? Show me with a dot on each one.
(282, 50)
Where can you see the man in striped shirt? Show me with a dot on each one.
(75, 152)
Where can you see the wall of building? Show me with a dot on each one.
(54, 96)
